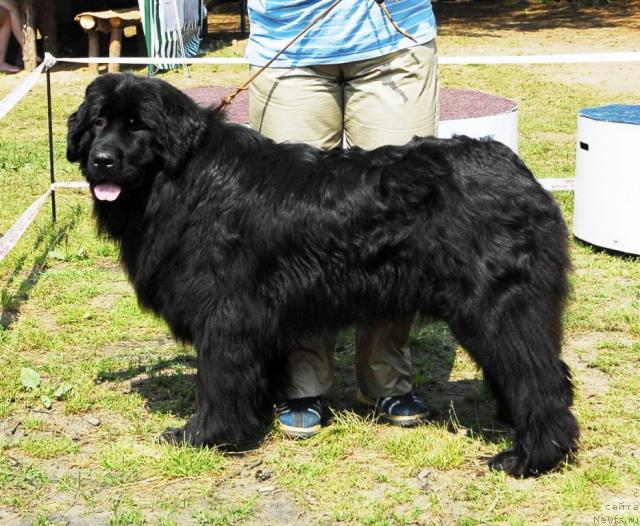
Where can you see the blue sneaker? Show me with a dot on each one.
(404, 410)
(300, 418)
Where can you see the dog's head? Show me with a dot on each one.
(128, 129)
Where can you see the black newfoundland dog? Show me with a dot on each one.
(244, 246)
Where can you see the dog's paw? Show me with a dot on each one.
(174, 436)
(513, 462)
(182, 436)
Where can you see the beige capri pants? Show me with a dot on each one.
(368, 103)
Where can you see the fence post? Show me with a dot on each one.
(52, 175)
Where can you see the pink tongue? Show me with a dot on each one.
(107, 191)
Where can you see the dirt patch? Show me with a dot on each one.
(579, 353)
(604, 77)
(224, 18)
(530, 28)
(566, 23)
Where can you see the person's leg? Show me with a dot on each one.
(298, 105)
(383, 362)
(5, 35)
(383, 371)
(391, 99)
(388, 101)
(301, 105)
(15, 19)
(312, 368)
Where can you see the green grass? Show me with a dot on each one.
(19, 483)
(225, 514)
(46, 447)
(69, 314)
(415, 450)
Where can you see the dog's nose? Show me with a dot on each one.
(104, 159)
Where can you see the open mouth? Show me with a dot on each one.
(106, 191)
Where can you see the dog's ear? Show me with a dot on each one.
(77, 126)
(181, 129)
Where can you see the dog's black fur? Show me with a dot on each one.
(244, 246)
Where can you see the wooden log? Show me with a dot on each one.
(87, 22)
(91, 23)
(115, 48)
(94, 49)
(95, 23)
(29, 31)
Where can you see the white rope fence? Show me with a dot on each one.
(13, 235)
(576, 58)
(15, 232)
(7, 104)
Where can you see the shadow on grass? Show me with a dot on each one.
(454, 403)
(168, 385)
(47, 239)
(624, 256)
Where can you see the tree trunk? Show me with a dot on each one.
(29, 32)
(115, 45)
(94, 49)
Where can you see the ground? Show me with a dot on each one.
(77, 447)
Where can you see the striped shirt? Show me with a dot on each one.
(354, 30)
(172, 29)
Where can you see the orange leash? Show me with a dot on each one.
(229, 98)
(387, 13)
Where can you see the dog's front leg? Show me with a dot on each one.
(233, 403)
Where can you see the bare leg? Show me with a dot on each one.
(16, 19)
(5, 34)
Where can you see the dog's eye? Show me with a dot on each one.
(100, 122)
(134, 124)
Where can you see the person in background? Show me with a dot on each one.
(353, 79)
(10, 22)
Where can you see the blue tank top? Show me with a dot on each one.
(354, 30)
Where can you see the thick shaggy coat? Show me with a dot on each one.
(244, 246)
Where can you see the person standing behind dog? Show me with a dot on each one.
(355, 78)
(10, 22)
